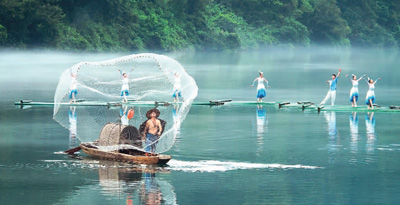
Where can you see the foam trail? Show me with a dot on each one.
(219, 166)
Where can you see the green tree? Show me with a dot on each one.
(3, 34)
(327, 25)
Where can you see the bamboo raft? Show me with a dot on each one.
(82, 102)
(303, 105)
(338, 108)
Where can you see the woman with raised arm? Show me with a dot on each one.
(74, 91)
(260, 87)
(370, 98)
(125, 85)
(354, 90)
(332, 89)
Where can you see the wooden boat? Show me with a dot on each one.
(116, 156)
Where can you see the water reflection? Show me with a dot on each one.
(332, 131)
(354, 132)
(72, 126)
(334, 141)
(370, 128)
(123, 113)
(262, 127)
(140, 185)
(175, 110)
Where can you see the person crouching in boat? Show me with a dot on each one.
(125, 85)
(152, 130)
(354, 89)
(261, 93)
(332, 89)
(370, 97)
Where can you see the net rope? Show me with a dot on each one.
(152, 80)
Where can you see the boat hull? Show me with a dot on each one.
(115, 156)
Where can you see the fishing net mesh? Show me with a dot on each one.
(98, 83)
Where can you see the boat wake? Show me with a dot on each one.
(219, 166)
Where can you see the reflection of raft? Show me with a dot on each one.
(116, 156)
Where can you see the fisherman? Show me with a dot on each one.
(177, 88)
(370, 97)
(74, 91)
(152, 130)
(260, 87)
(354, 89)
(332, 89)
(125, 85)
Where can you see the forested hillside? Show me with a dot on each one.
(166, 25)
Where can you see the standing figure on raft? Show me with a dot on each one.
(125, 85)
(260, 87)
(354, 89)
(177, 88)
(370, 97)
(332, 89)
(74, 91)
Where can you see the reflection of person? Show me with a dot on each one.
(261, 121)
(73, 88)
(124, 115)
(354, 130)
(331, 119)
(175, 110)
(177, 88)
(370, 98)
(72, 125)
(332, 89)
(332, 132)
(354, 89)
(261, 92)
(151, 193)
(370, 127)
(125, 85)
(152, 130)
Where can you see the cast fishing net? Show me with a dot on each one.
(98, 86)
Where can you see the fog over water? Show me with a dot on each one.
(293, 74)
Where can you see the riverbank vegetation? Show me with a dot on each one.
(168, 25)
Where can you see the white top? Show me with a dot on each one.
(260, 83)
(371, 86)
(73, 83)
(371, 90)
(177, 84)
(355, 83)
(125, 83)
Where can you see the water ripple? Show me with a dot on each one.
(219, 166)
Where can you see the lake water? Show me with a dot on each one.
(224, 154)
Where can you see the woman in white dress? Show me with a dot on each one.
(354, 90)
(261, 92)
(125, 85)
(370, 98)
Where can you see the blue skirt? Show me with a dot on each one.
(354, 95)
(73, 91)
(370, 98)
(126, 92)
(261, 93)
(176, 93)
